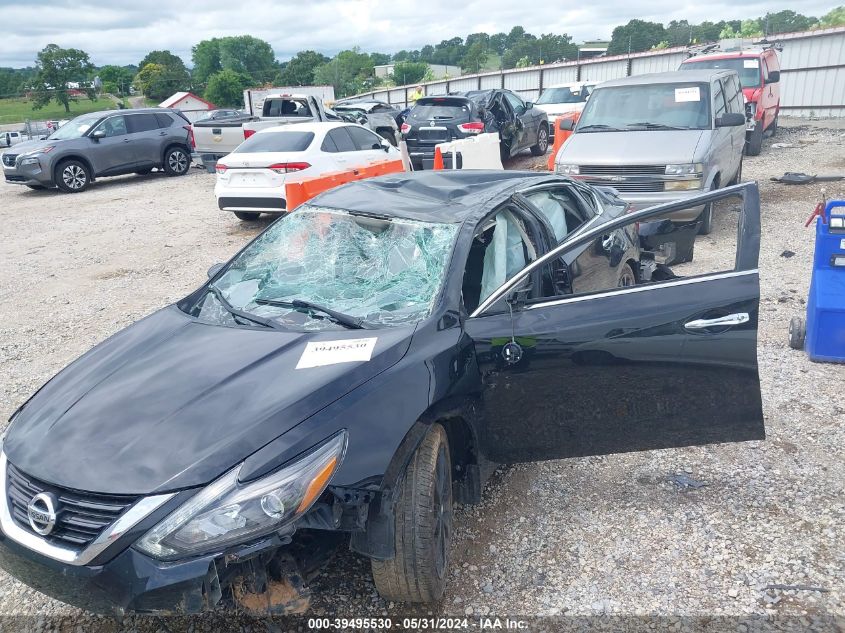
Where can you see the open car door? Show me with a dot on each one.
(668, 362)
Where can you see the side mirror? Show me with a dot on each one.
(98, 134)
(774, 77)
(385, 145)
(529, 105)
(565, 125)
(214, 270)
(730, 119)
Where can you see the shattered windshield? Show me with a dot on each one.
(378, 271)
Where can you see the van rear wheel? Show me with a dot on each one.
(247, 216)
(754, 141)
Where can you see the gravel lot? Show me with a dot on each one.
(581, 537)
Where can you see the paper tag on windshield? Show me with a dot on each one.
(321, 353)
(687, 94)
(749, 63)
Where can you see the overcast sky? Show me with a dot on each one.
(120, 32)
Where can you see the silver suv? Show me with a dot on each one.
(661, 137)
(102, 144)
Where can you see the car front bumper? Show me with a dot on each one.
(28, 175)
(129, 582)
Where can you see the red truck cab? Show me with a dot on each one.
(759, 74)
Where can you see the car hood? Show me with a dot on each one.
(30, 146)
(658, 147)
(171, 403)
(554, 109)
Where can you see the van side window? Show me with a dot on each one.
(734, 96)
(719, 100)
(765, 71)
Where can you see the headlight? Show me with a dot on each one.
(568, 170)
(29, 161)
(682, 185)
(226, 512)
(692, 169)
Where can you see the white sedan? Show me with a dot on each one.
(251, 180)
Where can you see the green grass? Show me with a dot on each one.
(19, 110)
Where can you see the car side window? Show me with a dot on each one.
(341, 139)
(516, 103)
(501, 247)
(736, 103)
(164, 120)
(646, 252)
(719, 105)
(113, 126)
(329, 144)
(363, 139)
(559, 209)
(141, 123)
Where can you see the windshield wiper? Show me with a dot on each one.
(657, 126)
(240, 314)
(600, 127)
(346, 320)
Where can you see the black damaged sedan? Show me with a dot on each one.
(353, 371)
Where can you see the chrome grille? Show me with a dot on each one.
(81, 516)
(623, 170)
(631, 186)
(9, 159)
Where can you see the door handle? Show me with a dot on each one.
(126, 140)
(726, 321)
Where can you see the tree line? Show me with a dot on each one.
(223, 67)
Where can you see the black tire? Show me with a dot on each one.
(247, 216)
(705, 219)
(796, 333)
(144, 172)
(72, 176)
(177, 161)
(738, 176)
(627, 277)
(542, 145)
(37, 187)
(754, 141)
(504, 151)
(423, 526)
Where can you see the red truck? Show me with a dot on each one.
(759, 74)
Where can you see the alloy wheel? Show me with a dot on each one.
(443, 510)
(178, 161)
(74, 177)
(543, 140)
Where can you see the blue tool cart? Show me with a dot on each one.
(823, 334)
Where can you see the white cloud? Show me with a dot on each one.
(116, 33)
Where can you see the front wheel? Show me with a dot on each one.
(542, 145)
(176, 161)
(72, 176)
(247, 216)
(423, 526)
(627, 278)
(754, 141)
(705, 220)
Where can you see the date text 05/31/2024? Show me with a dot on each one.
(417, 624)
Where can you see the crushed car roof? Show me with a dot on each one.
(431, 196)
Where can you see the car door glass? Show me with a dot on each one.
(343, 142)
(500, 249)
(516, 103)
(645, 252)
(364, 140)
(114, 126)
(328, 144)
(141, 123)
(164, 120)
(559, 209)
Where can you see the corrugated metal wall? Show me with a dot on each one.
(813, 74)
(812, 82)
